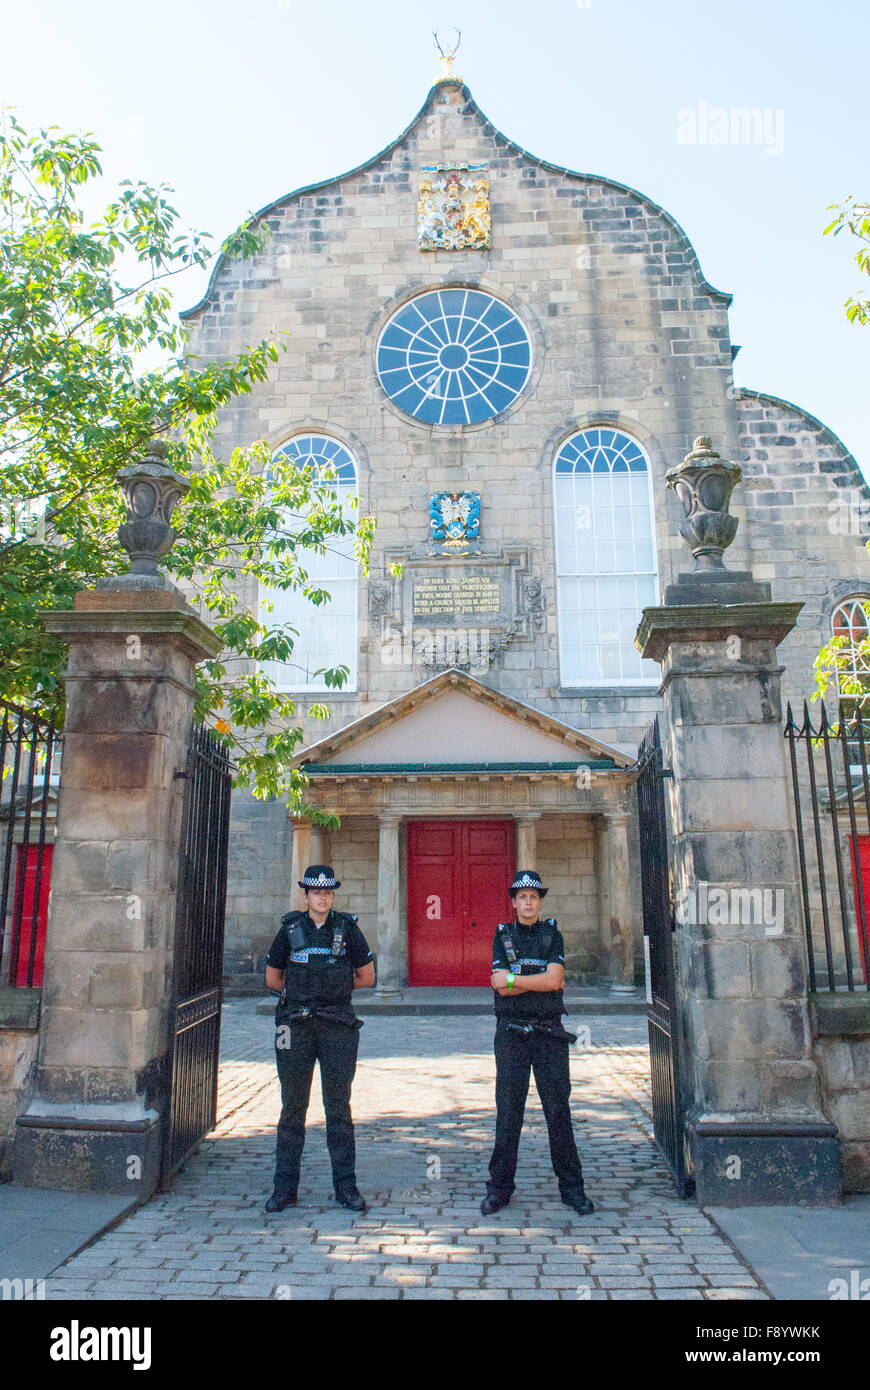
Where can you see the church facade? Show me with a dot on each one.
(501, 359)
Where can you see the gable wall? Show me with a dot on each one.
(625, 331)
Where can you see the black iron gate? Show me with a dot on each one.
(195, 1014)
(658, 925)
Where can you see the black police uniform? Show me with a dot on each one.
(542, 1047)
(315, 1021)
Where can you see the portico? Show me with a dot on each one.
(454, 751)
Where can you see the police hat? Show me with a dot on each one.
(319, 876)
(527, 878)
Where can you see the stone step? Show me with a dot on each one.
(439, 1002)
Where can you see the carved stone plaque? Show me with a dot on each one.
(454, 594)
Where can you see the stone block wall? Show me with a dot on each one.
(841, 1046)
(19, 1038)
(625, 332)
(259, 890)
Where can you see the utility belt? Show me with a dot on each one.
(324, 1011)
(555, 1030)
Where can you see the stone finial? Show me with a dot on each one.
(704, 483)
(151, 491)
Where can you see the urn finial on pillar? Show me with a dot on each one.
(151, 491)
(704, 483)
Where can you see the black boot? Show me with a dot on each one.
(491, 1203)
(579, 1201)
(277, 1203)
(349, 1197)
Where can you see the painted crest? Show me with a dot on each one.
(453, 212)
(454, 516)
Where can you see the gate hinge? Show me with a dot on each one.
(177, 774)
(666, 772)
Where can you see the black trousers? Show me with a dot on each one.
(516, 1055)
(334, 1046)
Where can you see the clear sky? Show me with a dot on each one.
(235, 104)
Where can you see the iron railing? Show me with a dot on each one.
(29, 777)
(829, 771)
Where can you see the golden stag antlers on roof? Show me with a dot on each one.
(447, 57)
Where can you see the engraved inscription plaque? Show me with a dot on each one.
(450, 594)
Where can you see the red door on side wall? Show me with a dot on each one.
(459, 873)
(22, 924)
(864, 860)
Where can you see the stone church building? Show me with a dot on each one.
(501, 358)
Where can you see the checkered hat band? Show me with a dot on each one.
(321, 881)
(526, 882)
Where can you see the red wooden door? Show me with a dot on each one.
(863, 930)
(21, 926)
(459, 873)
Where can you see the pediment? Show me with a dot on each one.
(454, 720)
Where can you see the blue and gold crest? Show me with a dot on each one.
(454, 517)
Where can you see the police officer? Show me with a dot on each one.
(528, 972)
(317, 960)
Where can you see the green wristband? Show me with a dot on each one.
(510, 979)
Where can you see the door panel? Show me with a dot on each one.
(864, 862)
(28, 858)
(458, 878)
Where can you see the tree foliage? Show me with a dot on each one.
(841, 661)
(80, 303)
(854, 217)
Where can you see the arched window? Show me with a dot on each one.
(606, 569)
(327, 633)
(850, 621)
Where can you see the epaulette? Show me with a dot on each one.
(288, 916)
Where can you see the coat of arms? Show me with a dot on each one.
(453, 209)
(454, 516)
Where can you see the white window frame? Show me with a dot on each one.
(292, 597)
(653, 680)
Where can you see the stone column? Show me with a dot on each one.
(619, 903)
(751, 1086)
(527, 843)
(94, 1122)
(318, 845)
(300, 858)
(602, 875)
(389, 936)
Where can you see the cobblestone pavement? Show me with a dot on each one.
(423, 1104)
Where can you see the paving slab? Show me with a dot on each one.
(804, 1252)
(40, 1229)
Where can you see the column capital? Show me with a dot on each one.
(523, 817)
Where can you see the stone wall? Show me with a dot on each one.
(841, 1028)
(19, 1038)
(807, 517)
(258, 883)
(625, 330)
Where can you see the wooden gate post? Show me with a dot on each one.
(93, 1123)
(755, 1124)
